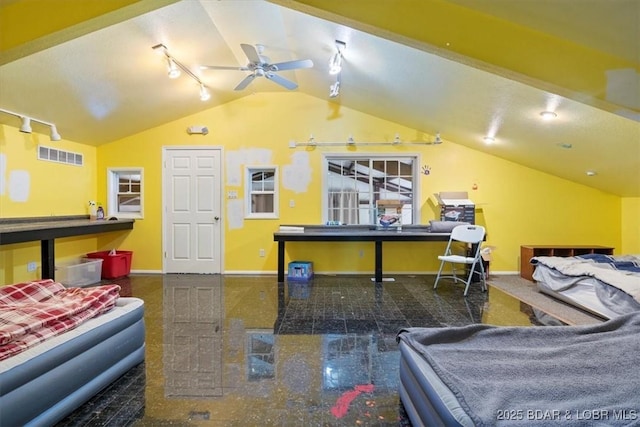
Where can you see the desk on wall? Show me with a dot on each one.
(355, 233)
(47, 229)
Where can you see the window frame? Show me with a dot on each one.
(414, 157)
(249, 192)
(113, 187)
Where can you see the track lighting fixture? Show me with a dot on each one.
(335, 63)
(334, 89)
(175, 69)
(204, 93)
(54, 135)
(351, 142)
(25, 126)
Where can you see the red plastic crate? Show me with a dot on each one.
(114, 266)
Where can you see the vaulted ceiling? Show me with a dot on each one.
(461, 68)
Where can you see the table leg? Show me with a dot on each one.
(47, 259)
(281, 261)
(378, 275)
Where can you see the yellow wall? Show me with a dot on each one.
(517, 205)
(48, 189)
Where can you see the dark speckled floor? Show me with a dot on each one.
(245, 351)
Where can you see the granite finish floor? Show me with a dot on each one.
(247, 351)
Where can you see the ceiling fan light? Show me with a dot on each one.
(205, 95)
(26, 125)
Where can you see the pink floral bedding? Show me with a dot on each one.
(32, 312)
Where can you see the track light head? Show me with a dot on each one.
(172, 69)
(26, 124)
(334, 90)
(204, 93)
(335, 63)
(54, 135)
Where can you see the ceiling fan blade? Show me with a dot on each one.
(219, 67)
(291, 65)
(251, 52)
(281, 81)
(245, 82)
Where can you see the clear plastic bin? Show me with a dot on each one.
(87, 272)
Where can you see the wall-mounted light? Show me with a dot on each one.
(54, 135)
(174, 68)
(25, 125)
(351, 142)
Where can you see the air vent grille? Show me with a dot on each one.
(60, 156)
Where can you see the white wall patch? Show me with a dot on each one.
(19, 185)
(250, 156)
(235, 213)
(297, 175)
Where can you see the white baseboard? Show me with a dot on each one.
(332, 273)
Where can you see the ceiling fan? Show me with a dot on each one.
(261, 67)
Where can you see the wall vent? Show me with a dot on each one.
(60, 156)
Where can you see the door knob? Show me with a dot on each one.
(216, 218)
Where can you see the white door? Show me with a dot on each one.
(192, 186)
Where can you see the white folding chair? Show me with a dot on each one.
(469, 235)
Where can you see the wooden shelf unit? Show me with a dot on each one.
(529, 251)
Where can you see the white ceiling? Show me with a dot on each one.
(109, 83)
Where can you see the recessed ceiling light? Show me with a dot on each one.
(565, 145)
(548, 115)
(591, 173)
(488, 139)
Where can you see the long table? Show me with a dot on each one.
(354, 233)
(47, 229)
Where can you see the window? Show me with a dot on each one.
(354, 185)
(125, 192)
(262, 192)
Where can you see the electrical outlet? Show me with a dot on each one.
(292, 203)
(361, 253)
(32, 266)
(261, 252)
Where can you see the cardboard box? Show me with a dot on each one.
(389, 213)
(456, 206)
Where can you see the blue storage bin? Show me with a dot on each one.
(300, 270)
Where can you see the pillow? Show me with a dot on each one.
(444, 226)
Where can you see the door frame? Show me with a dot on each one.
(165, 150)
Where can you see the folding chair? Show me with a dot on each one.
(469, 235)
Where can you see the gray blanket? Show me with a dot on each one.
(542, 376)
